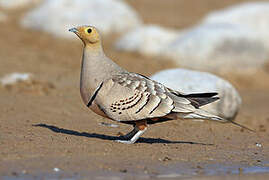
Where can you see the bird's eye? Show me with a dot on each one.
(89, 30)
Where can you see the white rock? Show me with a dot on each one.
(13, 78)
(147, 40)
(252, 15)
(12, 4)
(188, 81)
(57, 16)
(258, 144)
(214, 47)
(208, 47)
(56, 169)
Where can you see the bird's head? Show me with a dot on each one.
(88, 34)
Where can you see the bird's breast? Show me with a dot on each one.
(95, 108)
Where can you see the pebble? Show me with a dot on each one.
(56, 169)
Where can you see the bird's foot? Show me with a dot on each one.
(134, 138)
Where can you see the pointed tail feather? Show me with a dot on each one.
(202, 114)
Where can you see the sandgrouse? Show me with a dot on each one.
(131, 98)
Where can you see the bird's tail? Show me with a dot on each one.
(202, 114)
(200, 99)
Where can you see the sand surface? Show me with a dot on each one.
(44, 125)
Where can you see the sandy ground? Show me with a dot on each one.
(43, 123)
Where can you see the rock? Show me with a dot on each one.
(252, 15)
(147, 40)
(188, 81)
(208, 47)
(218, 47)
(25, 83)
(57, 16)
(13, 4)
(13, 78)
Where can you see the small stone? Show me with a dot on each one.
(14, 173)
(146, 171)
(123, 170)
(13, 78)
(56, 169)
(166, 158)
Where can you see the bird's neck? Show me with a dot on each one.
(95, 68)
(95, 49)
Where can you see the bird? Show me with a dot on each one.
(131, 98)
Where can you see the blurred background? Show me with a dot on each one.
(192, 46)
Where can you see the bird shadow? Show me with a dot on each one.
(107, 137)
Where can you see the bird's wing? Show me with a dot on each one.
(130, 96)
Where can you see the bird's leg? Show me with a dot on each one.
(139, 129)
(130, 134)
(133, 139)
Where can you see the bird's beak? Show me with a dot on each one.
(74, 30)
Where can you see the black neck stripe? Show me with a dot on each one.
(94, 95)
